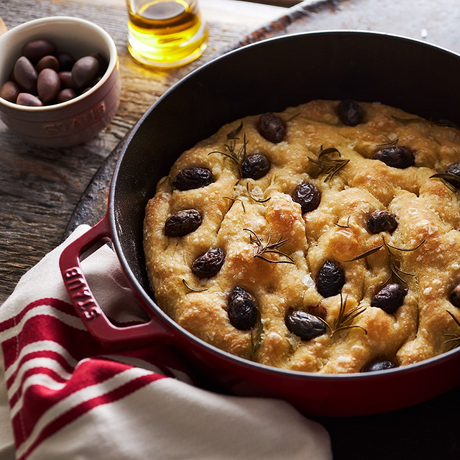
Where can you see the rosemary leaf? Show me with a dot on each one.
(328, 166)
(390, 143)
(255, 199)
(268, 248)
(407, 120)
(344, 226)
(454, 342)
(236, 199)
(192, 288)
(365, 254)
(398, 277)
(403, 272)
(403, 249)
(236, 157)
(293, 116)
(446, 124)
(235, 132)
(326, 152)
(344, 320)
(454, 318)
(446, 178)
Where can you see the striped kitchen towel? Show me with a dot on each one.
(62, 395)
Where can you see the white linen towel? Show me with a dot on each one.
(63, 396)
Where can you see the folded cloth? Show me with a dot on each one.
(69, 398)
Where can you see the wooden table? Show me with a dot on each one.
(41, 187)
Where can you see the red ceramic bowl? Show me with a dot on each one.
(75, 121)
(268, 76)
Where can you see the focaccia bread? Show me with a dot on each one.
(315, 239)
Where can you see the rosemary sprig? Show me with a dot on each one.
(293, 116)
(406, 121)
(236, 199)
(445, 123)
(192, 289)
(396, 272)
(344, 319)
(445, 180)
(329, 166)
(255, 199)
(237, 156)
(234, 134)
(390, 143)
(262, 248)
(344, 226)
(454, 342)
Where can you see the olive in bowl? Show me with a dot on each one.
(36, 102)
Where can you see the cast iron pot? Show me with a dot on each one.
(264, 77)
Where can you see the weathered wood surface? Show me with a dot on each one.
(40, 187)
(435, 22)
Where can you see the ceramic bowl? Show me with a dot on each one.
(77, 120)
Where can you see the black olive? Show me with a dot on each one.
(304, 325)
(190, 178)
(350, 112)
(182, 222)
(271, 127)
(390, 298)
(382, 221)
(209, 263)
(255, 166)
(454, 296)
(308, 196)
(330, 279)
(453, 170)
(396, 157)
(381, 365)
(242, 309)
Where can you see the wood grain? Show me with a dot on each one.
(40, 187)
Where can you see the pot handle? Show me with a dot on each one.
(92, 315)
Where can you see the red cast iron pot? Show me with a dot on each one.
(264, 77)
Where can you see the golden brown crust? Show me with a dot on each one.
(234, 209)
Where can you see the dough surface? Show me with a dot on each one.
(237, 210)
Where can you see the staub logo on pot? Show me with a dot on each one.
(81, 295)
(85, 119)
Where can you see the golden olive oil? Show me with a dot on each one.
(165, 33)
